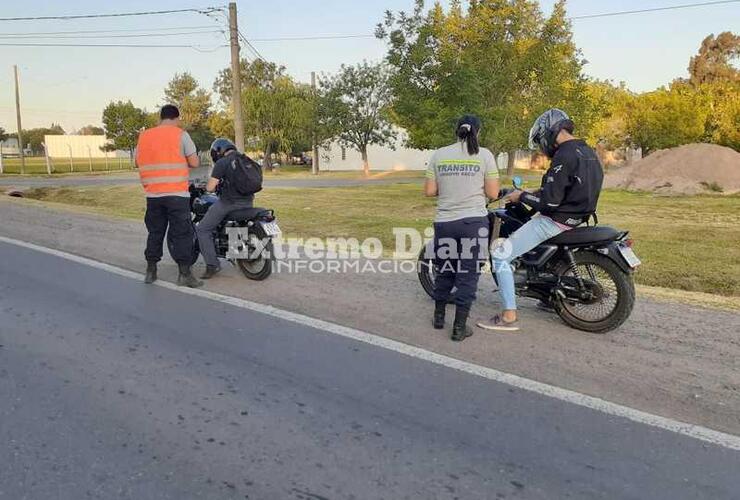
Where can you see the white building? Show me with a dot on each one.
(335, 157)
(9, 147)
(79, 146)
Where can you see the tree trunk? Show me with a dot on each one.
(267, 164)
(365, 163)
(510, 163)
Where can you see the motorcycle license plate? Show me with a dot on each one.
(271, 228)
(629, 256)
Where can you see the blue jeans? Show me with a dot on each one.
(527, 237)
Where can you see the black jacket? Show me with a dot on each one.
(571, 186)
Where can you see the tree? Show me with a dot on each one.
(91, 130)
(34, 138)
(3, 134)
(668, 118)
(501, 60)
(714, 62)
(278, 112)
(123, 122)
(605, 118)
(723, 122)
(355, 106)
(194, 104)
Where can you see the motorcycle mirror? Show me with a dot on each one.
(518, 182)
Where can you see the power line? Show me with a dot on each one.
(121, 45)
(588, 16)
(204, 10)
(172, 28)
(138, 35)
(254, 50)
(310, 37)
(655, 9)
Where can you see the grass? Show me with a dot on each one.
(686, 243)
(61, 166)
(37, 165)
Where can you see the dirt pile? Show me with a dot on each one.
(690, 169)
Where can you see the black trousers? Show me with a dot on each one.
(169, 213)
(459, 258)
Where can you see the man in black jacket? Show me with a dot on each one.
(567, 197)
(223, 154)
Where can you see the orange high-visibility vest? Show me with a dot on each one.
(163, 169)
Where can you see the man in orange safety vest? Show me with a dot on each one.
(163, 156)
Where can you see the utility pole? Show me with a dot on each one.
(236, 84)
(18, 118)
(315, 156)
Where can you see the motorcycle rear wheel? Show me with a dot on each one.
(614, 288)
(261, 268)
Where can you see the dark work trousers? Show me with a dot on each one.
(169, 213)
(462, 268)
(205, 228)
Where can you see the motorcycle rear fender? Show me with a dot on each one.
(612, 251)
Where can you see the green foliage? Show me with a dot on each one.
(34, 138)
(123, 121)
(278, 112)
(354, 107)
(605, 117)
(3, 134)
(91, 130)
(194, 104)
(501, 60)
(723, 123)
(714, 62)
(683, 114)
(667, 118)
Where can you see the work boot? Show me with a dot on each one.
(460, 329)
(151, 273)
(210, 272)
(186, 278)
(440, 307)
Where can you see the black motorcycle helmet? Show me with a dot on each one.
(546, 129)
(220, 147)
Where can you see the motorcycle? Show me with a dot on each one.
(252, 252)
(585, 274)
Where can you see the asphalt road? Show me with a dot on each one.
(114, 389)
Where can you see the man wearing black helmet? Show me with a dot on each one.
(232, 196)
(567, 197)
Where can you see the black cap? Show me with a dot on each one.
(468, 124)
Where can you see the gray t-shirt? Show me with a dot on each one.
(460, 180)
(187, 145)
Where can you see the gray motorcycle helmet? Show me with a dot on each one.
(546, 129)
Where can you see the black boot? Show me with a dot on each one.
(460, 329)
(440, 307)
(210, 272)
(151, 273)
(187, 279)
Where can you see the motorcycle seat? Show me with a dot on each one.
(247, 213)
(585, 235)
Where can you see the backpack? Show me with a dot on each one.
(244, 176)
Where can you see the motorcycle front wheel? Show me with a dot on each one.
(612, 294)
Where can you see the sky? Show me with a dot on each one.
(71, 86)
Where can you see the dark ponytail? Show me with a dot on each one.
(467, 130)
